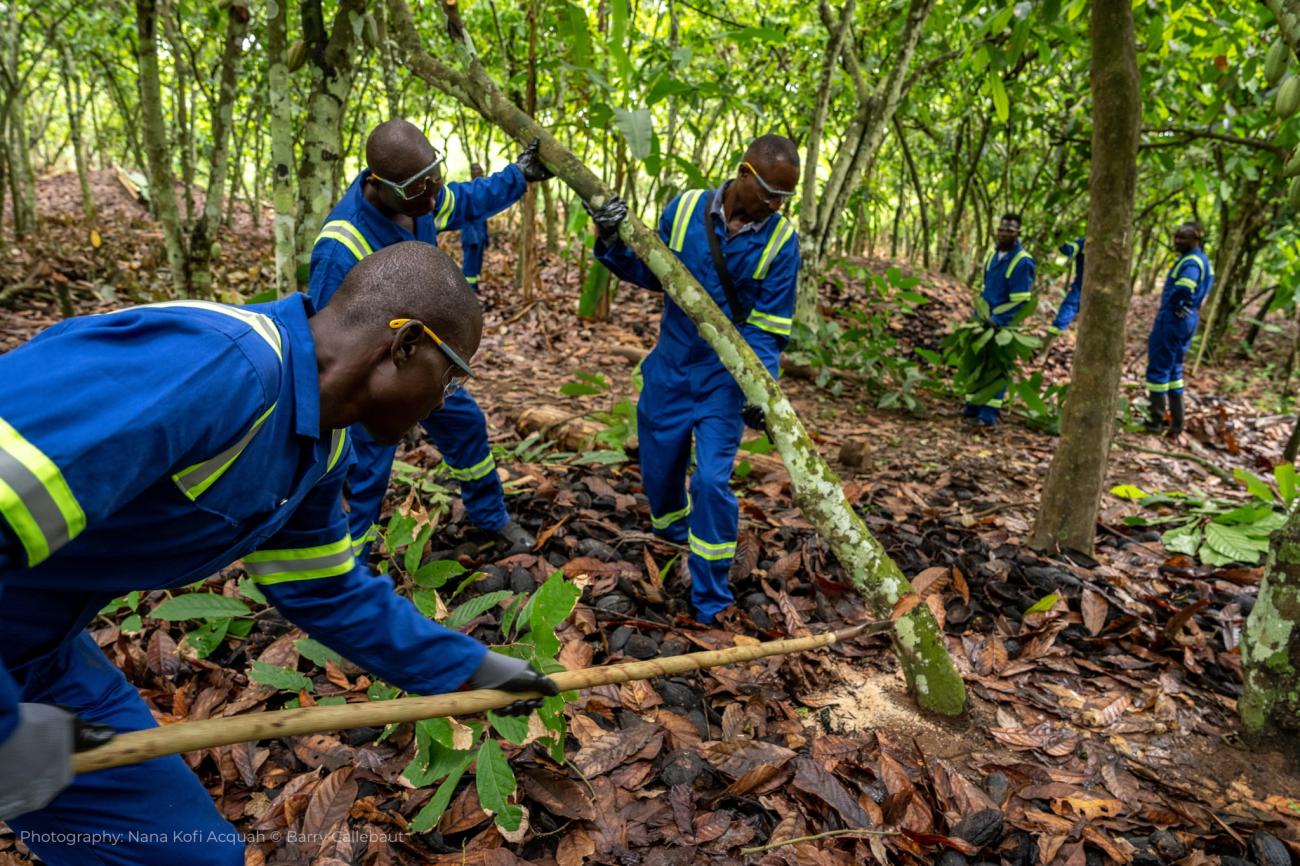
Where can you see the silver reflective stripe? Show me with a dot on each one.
(39, 503)
(262, 325)
(338, 439)
(301, 569)
(199, 477)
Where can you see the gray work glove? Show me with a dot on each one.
(530, 163)
(36, 760)
(607, 218)
(512, 675)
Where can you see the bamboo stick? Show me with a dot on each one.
(137, 746)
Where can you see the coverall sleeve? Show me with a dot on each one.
(767, 330)
(307, 571)
(1019, 292)
(330, 263)
(93, 411)
(1187, 282)
(624, 264)
(462, 202)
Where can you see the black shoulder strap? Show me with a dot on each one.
(738, 316)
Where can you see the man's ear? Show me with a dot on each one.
(405, 343)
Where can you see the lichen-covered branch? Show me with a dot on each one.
(1270, 644)
(917, 638)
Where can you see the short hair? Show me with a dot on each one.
(1195, 228)
(397, 149)
(774, 148)
(1010, 217)
(410, 280)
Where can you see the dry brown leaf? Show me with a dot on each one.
(1094, 607)
(785, 567)
(1090, 808)
(906, 603)
(559, 795)
(932, 580)
(608, 751)
(162, 656)
(575, 847)
(959, 584)
(330, 803)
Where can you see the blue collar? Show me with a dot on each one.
(716, 208)
(378, 228)
(293, 313)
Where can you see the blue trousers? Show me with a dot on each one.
(139, 815)
(987, 413)
(473, 263)
(459, 431)
(1166, 347)
(676, 406)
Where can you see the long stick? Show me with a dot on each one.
(137, 746)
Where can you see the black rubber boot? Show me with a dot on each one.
(1156, 422)
(1175, 414)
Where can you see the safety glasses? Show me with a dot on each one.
(417, 185)
(454, 385)
(770, 194)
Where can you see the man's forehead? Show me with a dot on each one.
(1010, 225)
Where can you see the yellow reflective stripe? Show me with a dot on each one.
(1176, 385)
(370, 536)
(447, 209)
(475, 472)
(778, 325)
(638, 380)
(347, 234)
(263, 326)
(685, 207)
(35, 499)
(338, 440)
(1019, 296)
(195, 480)
(672, 517)
(709, 550)
(301, 563)
(1185, 282)
(1157, 387)
(1015, 260)
(780, 236)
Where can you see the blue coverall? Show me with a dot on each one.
(148, 449)
(356, 228)
(1069, 309)
(1008, 286)
(473, 240)
(686, 390)
(1187, 284)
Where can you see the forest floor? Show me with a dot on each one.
(1102, 727)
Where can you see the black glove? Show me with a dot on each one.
(1182, 312)
(607, 218)
(755, 418)
(36, 759)
(530, 163)
(512, 675)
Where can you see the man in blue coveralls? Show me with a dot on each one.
(473, 239)
(400, 196)
(151, 447)
(1187, 284)
(1069, 309)
(1008, 286)
(685, 389)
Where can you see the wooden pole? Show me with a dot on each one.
(137, 746)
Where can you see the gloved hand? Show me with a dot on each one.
(36, 760)
(607, 217)
(512, 675)
(530, 163)
(754, 416)
(1181, 313)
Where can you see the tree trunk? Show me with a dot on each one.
(161, 190)
(204, 237)
(172, 24)
(1067, 515)
(917, 638)
(920, 192)
(22, 185)
(1270, 643)
(947, 263)
(72, 93)
(281, 103)
(330, 57)
(527, 274)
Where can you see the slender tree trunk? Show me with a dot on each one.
(392, 90)
(920, 192)
(180, 99)
(917, 639)
(161, 190)
(22, 186)
(1072, 493)
(947, 264)
(330, 58)
(72, 94)
(1270, 643)
(281, 103)
(527, 273)
(203, 240)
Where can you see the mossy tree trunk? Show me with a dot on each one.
(917, 638)
(1067, 515)
(281, 103)
(1270, 644)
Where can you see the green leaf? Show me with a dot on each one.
(1044, 604)
(1257, 486)
(761, 445)
(999, 93)
(199, 605)
(278, 677)
(432, 575)
(513, 728)
(579, 389)
(603, 457)
(637, 127)
(551, 605)
(262, 297)
(316, 652)
(250, 590)
(1285, 476)
(428, 817)
(1185, 539)
(1128, 491)
(474, 607)
(495, 782)
(415, 550)
(594, 287)
(206, 638)
(132, 624)
(1232, 542)
(664, 86)
(577, 35)
(426, 602)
